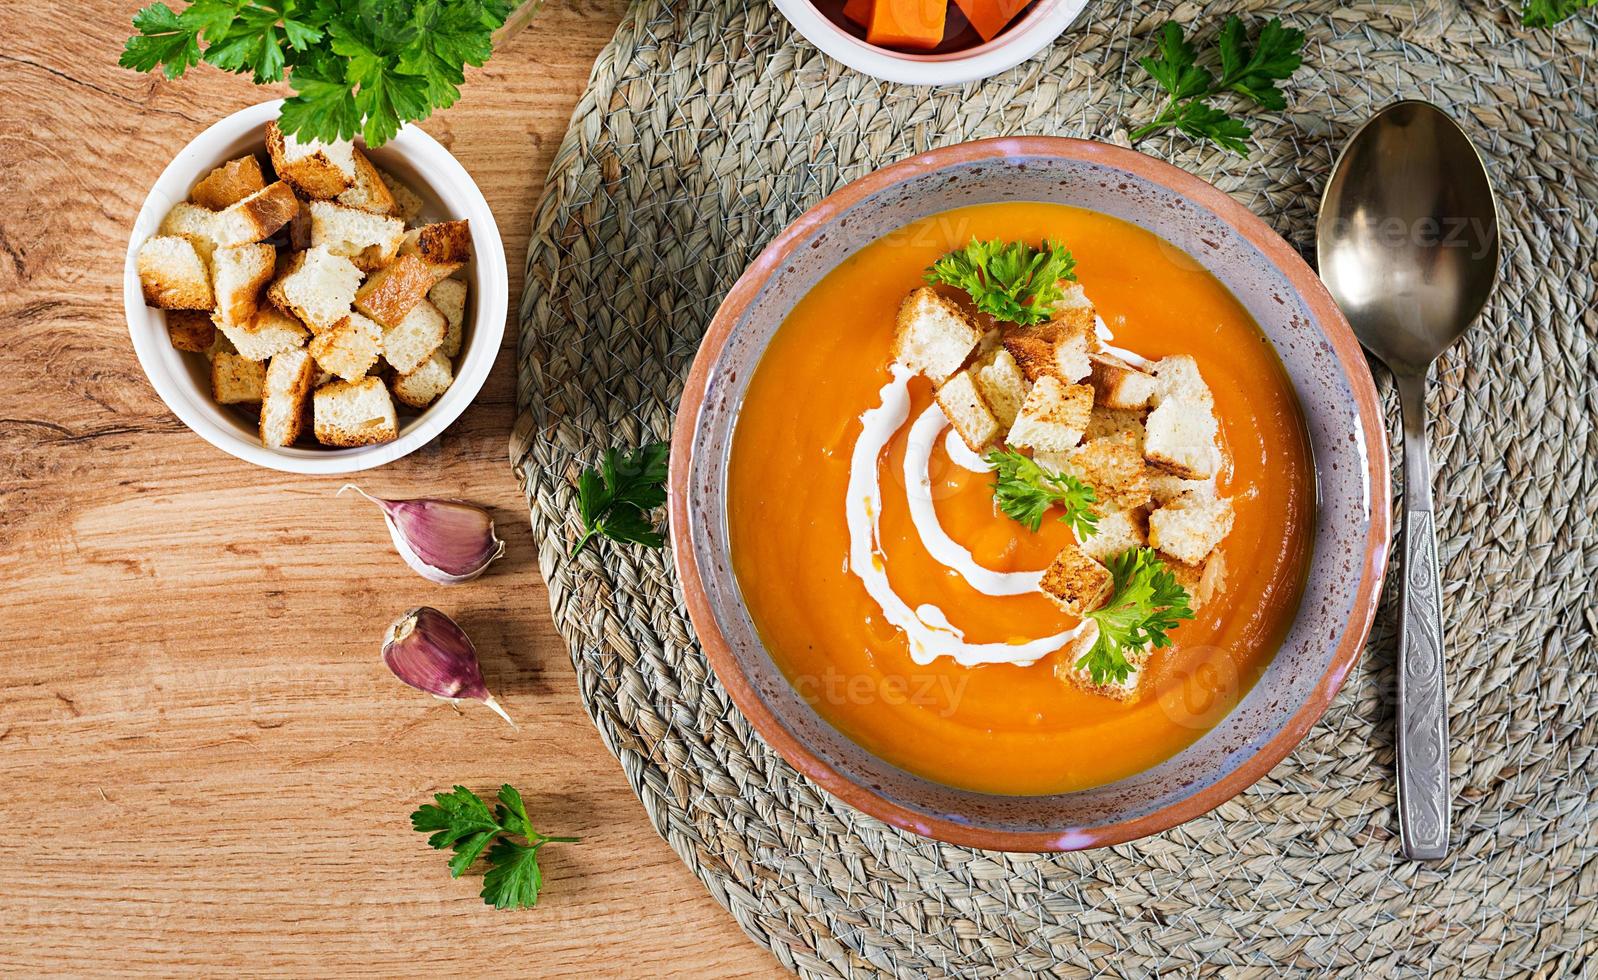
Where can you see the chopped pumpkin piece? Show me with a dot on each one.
(859, 11)
(915, 24)
(990, 17)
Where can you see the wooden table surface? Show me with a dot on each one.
(203, 764)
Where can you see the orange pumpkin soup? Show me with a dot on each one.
(1000, 727)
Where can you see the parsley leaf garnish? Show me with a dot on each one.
(615, 500)
(462, 821)
(1251, 73)
(1547, 13)
(358, 67)
(1009, 281)
(1145, 604)
(1025, 489)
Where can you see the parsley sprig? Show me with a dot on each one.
(615, 499)
(1547, 13)
(1252, 74)
(1145, 604)
(357, 66)
(1025, 490)
(462, 821)
(1009, 281)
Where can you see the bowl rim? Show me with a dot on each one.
(490, 303)
(1037, 29)
(1300, 277)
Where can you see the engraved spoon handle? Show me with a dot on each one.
(1423, 794)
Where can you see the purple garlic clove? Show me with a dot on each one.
(427, 650)
(445, 541)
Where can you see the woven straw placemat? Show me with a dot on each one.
(709, 125)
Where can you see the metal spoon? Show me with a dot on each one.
(1408, 245)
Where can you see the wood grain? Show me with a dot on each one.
(204, 764)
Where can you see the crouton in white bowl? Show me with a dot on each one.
(427, 185)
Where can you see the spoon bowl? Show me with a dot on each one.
(1408, 235)
(1408, 246)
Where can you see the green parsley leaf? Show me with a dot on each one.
(1249, 72)
(513, 877)
(358, 67)
(1025, 489)
(462, 821)
(1547, 13)
(1176, 69)
(1146, 603)
(165, 40)
(1207, 122)
(615, 499)
(1009, 281)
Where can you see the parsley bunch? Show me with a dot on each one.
(1547, 13)
(615, 500)
(1025, 490)
(462, 821)
(1009, 281)
(1147, 602)
(357, 66)
(1252, 74)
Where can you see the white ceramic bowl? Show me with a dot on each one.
(1037, 28)
(183, 379)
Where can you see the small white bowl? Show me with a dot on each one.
(1036, 30)
(183, 379)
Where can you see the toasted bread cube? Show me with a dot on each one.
(355, 413)
(258, 216)
(316, 286)
(1116, 422)
(1115, 471)
(1117, 531)
(1002, 384)
(1124, 690)
(229, 184)
(1032, 350)
(394, 290)
(441, 243)
(1053, 417)
(408, 344)
(1056, 349)
(266, 334)
(1202, 581)
(368, 240)
(190, 330)
(1189, 527)
(349, 348)
(406, 203)
(1117, 384)
(316, 169)
(419, 387)
(1180, 439)
(1179, 379)
(236, 380)
(449, 295)
(969, 412)
(283, 395)
(1073, 310)
(1165, 488)
(933, 336)
(195, 223)
(173, 275)
(1072, 356)
(1076, 582)
(368, 192)
(299, 229)
(238, 273)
